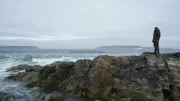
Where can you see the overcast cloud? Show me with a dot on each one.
(88, 23)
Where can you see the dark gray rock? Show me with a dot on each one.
(51, 75)
(55, 97)
(31, 78)
(6, 97)
(25, 67)
(44, 73)
(78, 80)
(147, 77)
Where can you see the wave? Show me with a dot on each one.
(28, 59)
(44, 61)
(85, 51)
(10, 62)
(137, 48)
(5, 56)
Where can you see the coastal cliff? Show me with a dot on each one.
(147, 77)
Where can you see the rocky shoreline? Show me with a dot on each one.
(147, 77)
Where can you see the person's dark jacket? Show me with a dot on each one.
(156, 35)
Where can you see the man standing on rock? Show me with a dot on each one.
(156, 38)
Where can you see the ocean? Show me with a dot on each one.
(14, 57)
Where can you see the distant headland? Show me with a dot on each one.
(115, 46)
(18, 47)
(127, 47)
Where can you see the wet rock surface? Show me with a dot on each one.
(25, 67)
(6, 97)
(147, 77)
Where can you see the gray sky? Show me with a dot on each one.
(88, 23)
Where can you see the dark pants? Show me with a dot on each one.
(156, 47)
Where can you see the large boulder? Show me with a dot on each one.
(140, 78)
(147, 77)
(51, 75)
(44, 73)
(63, 69)
(78, 81)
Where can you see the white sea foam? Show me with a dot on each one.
(44, 61)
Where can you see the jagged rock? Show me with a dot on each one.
(24, 67)
(147, 77)
(44, 73)
(139, 77)
(31, 78)
(6, 97)
(55, 97)
(63, 69)
(50, 84)
(51, 76)
(78, 80)
(18, 68)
